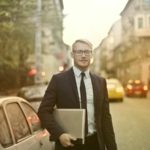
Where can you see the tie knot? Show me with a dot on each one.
(82, 74)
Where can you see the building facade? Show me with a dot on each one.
(134, 51)
(125, 52)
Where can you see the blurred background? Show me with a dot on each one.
(33, 37)
(35, 43)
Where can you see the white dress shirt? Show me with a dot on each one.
(89, 94)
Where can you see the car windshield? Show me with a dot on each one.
(113, 81)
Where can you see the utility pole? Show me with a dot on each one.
(38, 58)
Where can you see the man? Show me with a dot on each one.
(68, 90)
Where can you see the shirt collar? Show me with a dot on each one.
(77, 72)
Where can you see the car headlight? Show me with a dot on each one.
(129, 87)
(145, 88)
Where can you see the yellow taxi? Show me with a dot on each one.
(115, 89)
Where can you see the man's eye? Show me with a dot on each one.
(80, 51)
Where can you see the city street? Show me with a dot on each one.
(131, 120)
(57, 51)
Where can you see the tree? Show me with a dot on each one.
(16, 40)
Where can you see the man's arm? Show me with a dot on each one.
(45, 114)
(46, 108)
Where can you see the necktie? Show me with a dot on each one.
(84, 100)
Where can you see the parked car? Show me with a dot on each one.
(136, 88)
(115, 89)
(20, 127)
(33, 94)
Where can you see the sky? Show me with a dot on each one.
(90, 19)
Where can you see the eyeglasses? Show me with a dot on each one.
(81, 52)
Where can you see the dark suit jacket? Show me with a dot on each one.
(62, 92)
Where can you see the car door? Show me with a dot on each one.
(20, 128)
(41, 136)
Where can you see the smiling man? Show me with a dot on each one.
(81, 54)
(79, 88)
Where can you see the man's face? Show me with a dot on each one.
(82, 54)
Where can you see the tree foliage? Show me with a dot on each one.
(17, 29)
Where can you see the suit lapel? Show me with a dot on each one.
(73, 85)
(96, 93)
(95, 88)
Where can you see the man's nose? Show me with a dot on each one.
(83, 54)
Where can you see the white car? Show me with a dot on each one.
(20, 127)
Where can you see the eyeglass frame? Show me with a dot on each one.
(81, 52)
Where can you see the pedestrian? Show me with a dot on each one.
(68, 90)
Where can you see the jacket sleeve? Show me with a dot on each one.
(107, 126)
(45, 111)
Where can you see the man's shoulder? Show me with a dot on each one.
(97, 76)
(63, 74)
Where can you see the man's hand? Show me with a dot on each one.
(65, 139)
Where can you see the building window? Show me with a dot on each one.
(147, 2)
(140, 23)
